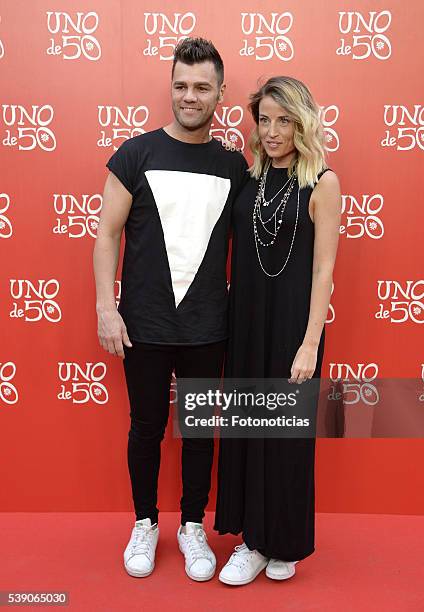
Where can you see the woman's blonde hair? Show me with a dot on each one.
(308, 137)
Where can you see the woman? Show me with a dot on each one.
(286, 227)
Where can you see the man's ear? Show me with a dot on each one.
(221, 93)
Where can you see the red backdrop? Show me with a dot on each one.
(80, 77)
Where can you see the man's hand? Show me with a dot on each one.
(112, 332)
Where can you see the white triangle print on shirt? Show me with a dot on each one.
(189, 206)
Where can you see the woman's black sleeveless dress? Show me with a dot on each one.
(266, 486)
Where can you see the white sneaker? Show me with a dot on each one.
(200, 562)
(139, 555)
(243, 566)
(280, 570)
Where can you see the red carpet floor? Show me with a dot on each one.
(362, 562)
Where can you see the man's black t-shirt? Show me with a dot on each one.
(174, 287)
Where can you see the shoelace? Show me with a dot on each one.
(142, 539)
(240, 557)
(197, 544)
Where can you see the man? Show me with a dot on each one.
(172, 189)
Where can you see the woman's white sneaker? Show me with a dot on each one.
(139, 555)
(243, 566)
(200, 562)
(280, 570)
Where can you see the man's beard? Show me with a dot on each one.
(192, 127)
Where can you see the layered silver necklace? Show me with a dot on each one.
(273, 225)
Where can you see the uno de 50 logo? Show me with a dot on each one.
(408, 131)
(365, 35)
(117, 287)
(30, 127)
(121, 124)
(357, 383)
(30, 309)
(329, 116)
(175, 28)
(275, 43)
(74, 35)
(364, 220)
(8, 391)
(83, 382)
(400, 302)
(6, 229)
(77, 217)
(331, 315)
(228, 119)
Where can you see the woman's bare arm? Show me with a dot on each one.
(326, 209)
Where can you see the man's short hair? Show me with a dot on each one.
(197, 50)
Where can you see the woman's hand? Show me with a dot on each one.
(229, 146)
(304, 364)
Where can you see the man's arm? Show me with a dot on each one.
(115, 209)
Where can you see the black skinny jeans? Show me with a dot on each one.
(148, 370)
